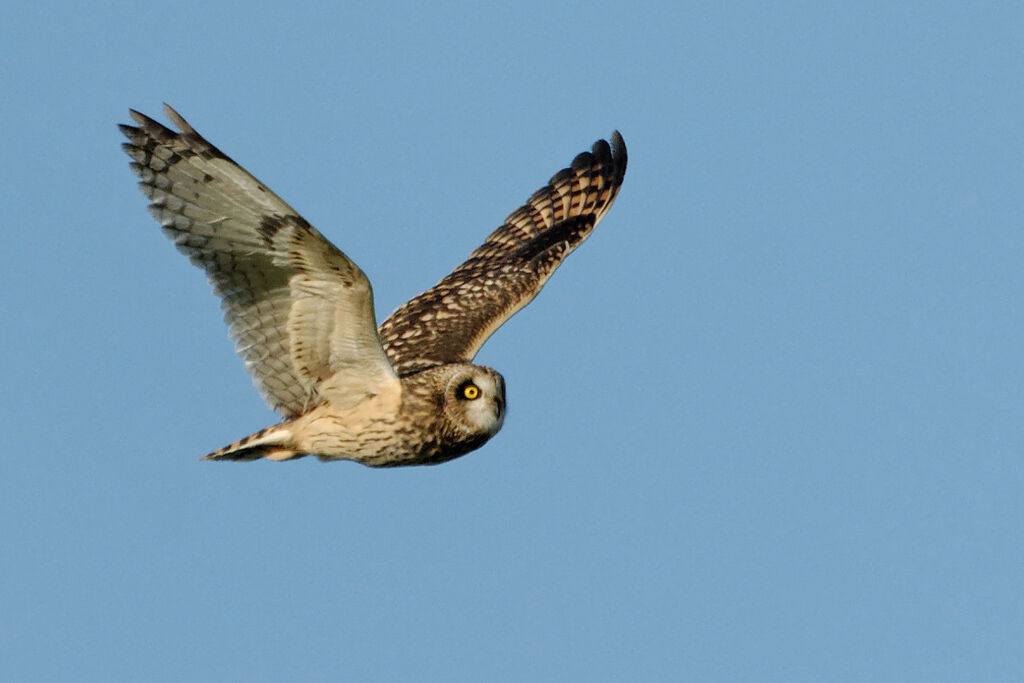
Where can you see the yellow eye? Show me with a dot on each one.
(471, 391)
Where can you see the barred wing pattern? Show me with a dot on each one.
(451, 321)
(299, 311)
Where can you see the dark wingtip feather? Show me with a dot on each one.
(128, 131)
(585, 159)
(241, 455)
(178, 120)
(619, 155)
(129, 149)
(152, 127)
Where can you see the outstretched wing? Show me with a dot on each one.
(299, 311)
(451, 321)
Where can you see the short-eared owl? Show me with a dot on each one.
(301, 313)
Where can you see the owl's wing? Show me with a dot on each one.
(451, 321)
(299, 311)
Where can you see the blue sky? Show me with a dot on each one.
(766, 424)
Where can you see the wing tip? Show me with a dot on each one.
(610, 153)
(178, 120)
(151, 125)
(128, 131)
(618, 146)
(619, 155)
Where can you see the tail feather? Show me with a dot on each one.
(273, 443)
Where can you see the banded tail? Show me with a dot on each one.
(273, 443)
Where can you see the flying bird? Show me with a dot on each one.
(302, 318)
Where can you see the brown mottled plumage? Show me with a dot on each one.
(301, 313)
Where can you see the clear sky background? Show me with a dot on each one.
(765, 425)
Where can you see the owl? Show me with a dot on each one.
(302, 318)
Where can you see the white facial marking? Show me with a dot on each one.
(487, 412)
